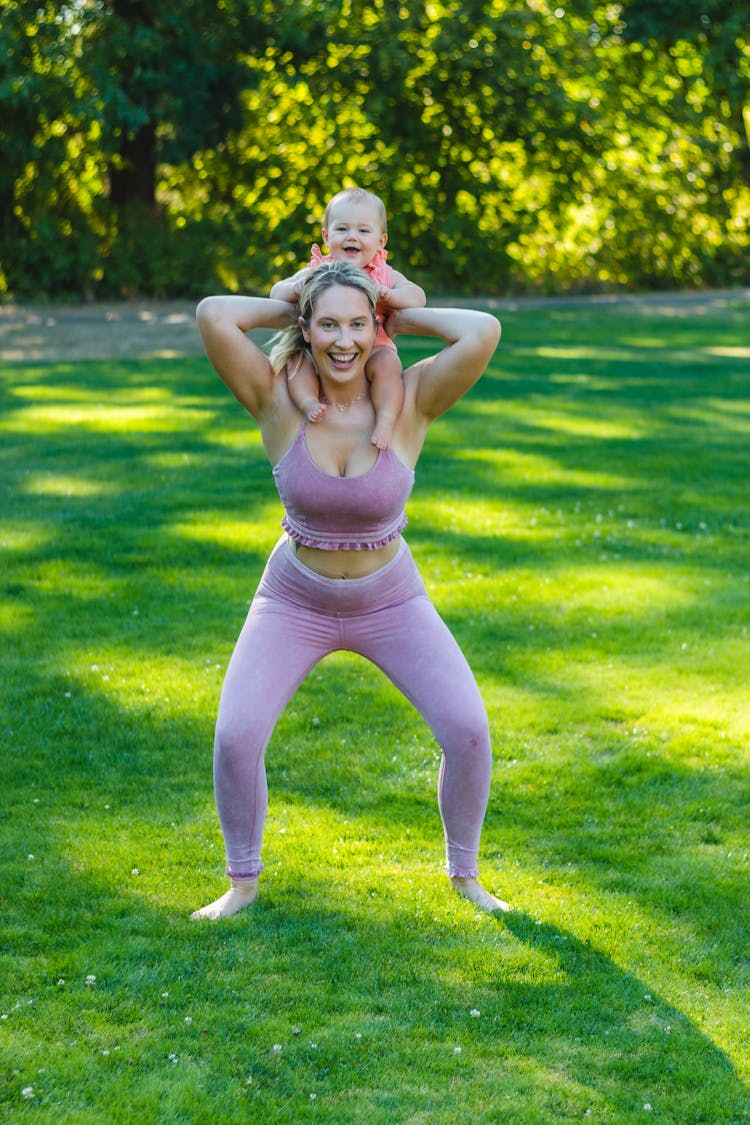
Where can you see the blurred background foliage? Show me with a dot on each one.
(168, 150)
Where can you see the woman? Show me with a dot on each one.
(342, 577)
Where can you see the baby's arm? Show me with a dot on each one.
(303, 387)
(403, 294)
(290, 288)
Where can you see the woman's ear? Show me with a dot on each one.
(304, 327)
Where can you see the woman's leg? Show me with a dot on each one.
(414, 647)
(277, 647)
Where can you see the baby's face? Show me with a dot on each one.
(354, 232)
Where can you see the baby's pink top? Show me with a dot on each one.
(379, 273)
(333, 513)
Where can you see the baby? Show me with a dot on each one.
(354, 229)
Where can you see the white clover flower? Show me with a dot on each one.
(456, 1050)
(188, 1019)
(276, 1048)
(475, 1013)
(27, 1092)
(90, 980)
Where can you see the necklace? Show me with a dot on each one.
(342, 406)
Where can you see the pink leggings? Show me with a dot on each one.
(296, 618)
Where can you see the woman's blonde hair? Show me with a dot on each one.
(291, 342)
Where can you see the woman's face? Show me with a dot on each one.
(341, 333)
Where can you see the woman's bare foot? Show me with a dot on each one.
(313, 409)
(242, 893)
(475, 892)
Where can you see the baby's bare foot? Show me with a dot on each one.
(475, 892)
(242, 893)
(381, 437)
(314, 409)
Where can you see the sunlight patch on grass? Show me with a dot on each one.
(55, 392)
(614, 591)
(101, 419)
(579, 351)
(618, 428)
(729, 352)
(535, 468)
(241, 438)
(89, 580)
(15, 618)
(17, 537)
(59, 484)
(730, 415)
(236, 534)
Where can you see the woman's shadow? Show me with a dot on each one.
(612, 1034)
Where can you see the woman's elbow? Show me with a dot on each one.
(489, 331)
(208, 312)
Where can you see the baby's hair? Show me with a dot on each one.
(290, 341)
(358, 195)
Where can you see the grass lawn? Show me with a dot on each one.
(581, 520)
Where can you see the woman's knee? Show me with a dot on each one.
(467, 735)
(237, 741)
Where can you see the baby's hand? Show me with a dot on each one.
(384, 295)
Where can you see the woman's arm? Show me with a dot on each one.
(439, 381)
(223, 322)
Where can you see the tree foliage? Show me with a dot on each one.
(168, 149)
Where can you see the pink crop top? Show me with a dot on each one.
(332, 513)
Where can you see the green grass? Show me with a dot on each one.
(581, 521)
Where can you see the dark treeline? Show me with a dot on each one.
(169, 149)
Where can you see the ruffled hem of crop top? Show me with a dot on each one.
(332, 513)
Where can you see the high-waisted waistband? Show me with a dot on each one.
(289, 580)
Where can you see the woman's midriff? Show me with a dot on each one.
(345, 564)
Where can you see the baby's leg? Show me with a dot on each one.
(303, 388)
(387, 391)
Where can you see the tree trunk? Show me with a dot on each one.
(135, 180)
